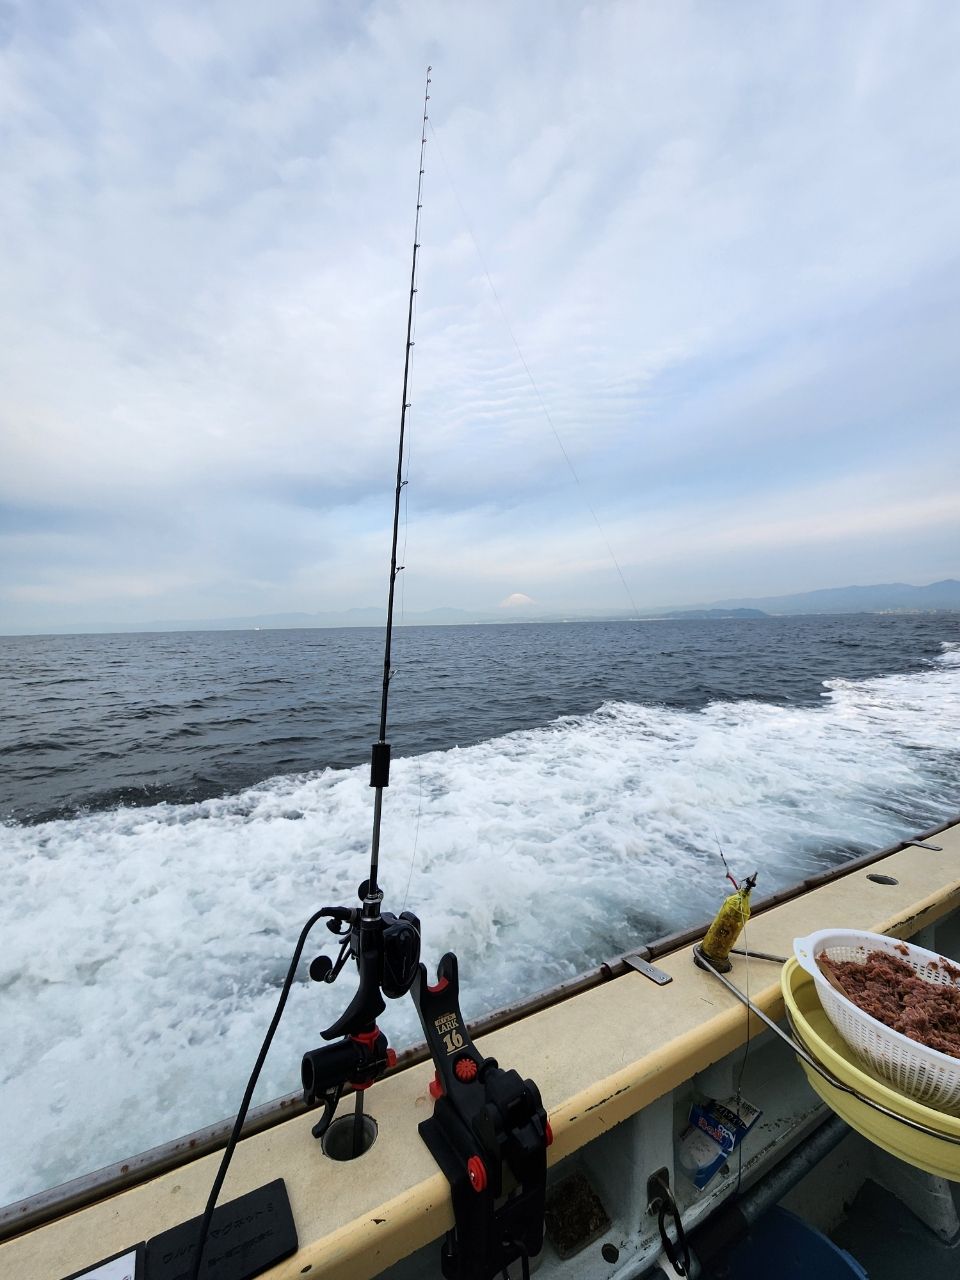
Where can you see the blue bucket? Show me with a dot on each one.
(783, 1245)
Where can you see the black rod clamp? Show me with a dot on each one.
(387, 951)
(488, 1133)
(358, 1060)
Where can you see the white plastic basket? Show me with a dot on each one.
(925, 1074)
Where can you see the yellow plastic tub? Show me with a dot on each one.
(822, 1040)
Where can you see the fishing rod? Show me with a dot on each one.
(386, 948)
(489, 1131)
(380, 758)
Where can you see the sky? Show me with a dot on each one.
(688, 308)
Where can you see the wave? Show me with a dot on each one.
(141, 945)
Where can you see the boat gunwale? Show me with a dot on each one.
(87, 1189)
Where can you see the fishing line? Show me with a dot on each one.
(416, 832)
(725, 865)
(796, 1044)
(747, 1043)
(533, 383)
(403, 591)
(746, 1049)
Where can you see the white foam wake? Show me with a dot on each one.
(143, 948)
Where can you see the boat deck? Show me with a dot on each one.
(599, 1058)
(889, 1242)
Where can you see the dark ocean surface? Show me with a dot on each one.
(175, 805)
(92, 722)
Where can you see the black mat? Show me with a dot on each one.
(246, 1236)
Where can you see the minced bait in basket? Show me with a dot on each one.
(925, 1074)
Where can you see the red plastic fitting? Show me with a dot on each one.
(465, 1069)
(477, 1173)
(369, 1038)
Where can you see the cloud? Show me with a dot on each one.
(728, 249)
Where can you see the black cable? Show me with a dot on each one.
(248, 1093)
(524, 1256)
(673, 1249)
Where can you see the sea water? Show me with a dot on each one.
(175, 805)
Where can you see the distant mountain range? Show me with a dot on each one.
(887, 597)
(369, 617)
(714, 613)
(890, 597)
